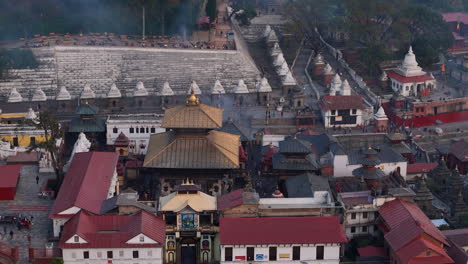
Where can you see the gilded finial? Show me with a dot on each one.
(192, 100)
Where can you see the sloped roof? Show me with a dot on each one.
(193, 116)
(121, 140)
(9, 176)
(87, 109)
(411, 253)
(120, 200)
(232, 127)
(341, 102)
(294, 145)
(230, 200)
(281, 162)
(87, 169)
(215, 150)
(198, 201)
(456, 17)
(409, 79)
(406, 222)
(113, 231)
(460, 150)
(281, 230)
(305, 185)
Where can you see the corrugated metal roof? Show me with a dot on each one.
(233, 128)
(113, 231)
(193, 116)
(281, 230)
(216, 150)
(281, 162)
(87, 182)
(9, 175)
(294, 145)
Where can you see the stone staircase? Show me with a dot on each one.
(101, 66)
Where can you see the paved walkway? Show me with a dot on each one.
(27, 203)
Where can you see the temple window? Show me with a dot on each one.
(142, 130)
(153, 130)
(333, 112)
(115, 130)
(353, 111)
(132, 130)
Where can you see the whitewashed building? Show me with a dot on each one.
(409, 79)
(91, 179)
(88, 238)
(281, 239)
(137, 127)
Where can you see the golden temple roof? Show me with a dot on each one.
(193, 115)
(217, 150)
(176, 202)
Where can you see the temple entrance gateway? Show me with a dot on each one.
(188, 251)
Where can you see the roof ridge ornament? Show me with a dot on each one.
(192, 100)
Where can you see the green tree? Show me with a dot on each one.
(47, 122)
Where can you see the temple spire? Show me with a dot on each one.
(192, 100)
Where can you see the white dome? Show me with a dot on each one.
(328, 70)
(336, 82)
(166, 90)
(288, 79)
(279, 60)
(31, 114)
(39, 95)
(345, 88)
(264, 86)
(275, 50)
(319, 59)
(195, 88)
(15, 96)
(87, 92)
(140, 90)
(63, 94)
(380, 115)
(283, 70)
(410, 67)
(218, 88)
(114, 92)
(241, 88)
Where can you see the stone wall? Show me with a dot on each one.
(101, 66)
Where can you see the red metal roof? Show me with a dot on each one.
(112, 231)
(281, 230)
(410, 253)
(341, 102)
(420, 167)
(410, 79)
(9, 175)
(456, 17)
(24, 157)
(406, 224)
(87, 182)
(230, 200)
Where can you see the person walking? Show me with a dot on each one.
(37, 179)
(11, 234)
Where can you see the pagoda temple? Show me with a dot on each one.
(424, 196)
(369, 174)
(440, 175)
(192, 147)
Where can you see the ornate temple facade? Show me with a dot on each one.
(191, 147)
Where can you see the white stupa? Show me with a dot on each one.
(279, 60)
(31, 115)
(39, 95)
(380, 115)
(63, 94)
(140, 90)
(336, 83)
(332, 91)
(165, 90)
(195, 88)
(267, 31)
(328, 70)
(87, 93)
(14, 96)
(345, 88)
(218, 88)
(264, 86)
(283, 70)
(275, 50)
(82, 144)
(114, 92)
(272, 36)
(288, 79)
(319, 59)
(410, 66)
(241, 88)
(384, 77)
